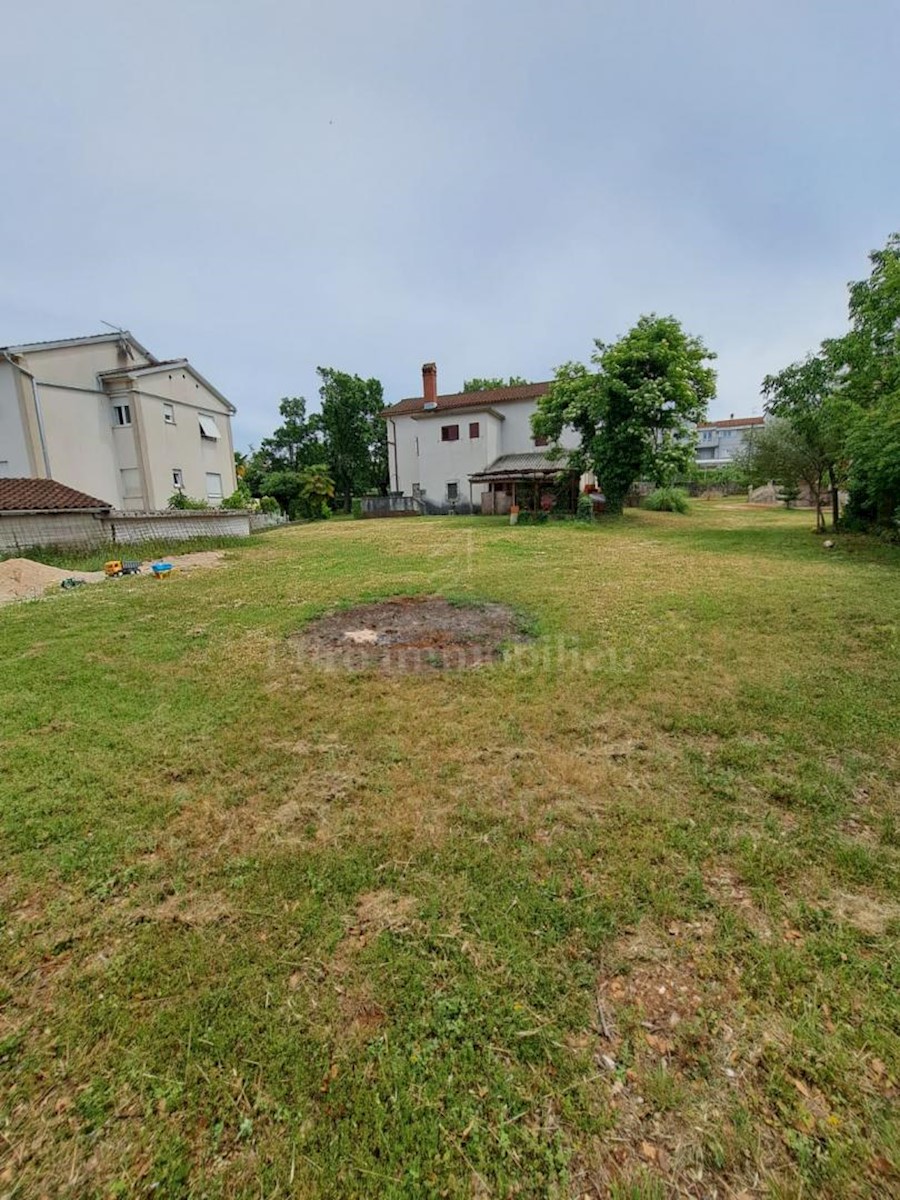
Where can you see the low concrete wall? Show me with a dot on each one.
(261, 520)
(51, 529)
(128, 529)
(178, 525)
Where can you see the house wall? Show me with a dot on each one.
(718, 447)
(517, 436)
(442, 462)
(180, 446)
(14, 460)
(80, 443)
(426, 462)
(130, 467)
(79, 366)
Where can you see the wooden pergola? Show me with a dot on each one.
(527, 477)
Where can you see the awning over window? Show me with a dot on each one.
(208, 427)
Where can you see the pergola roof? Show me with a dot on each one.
(534, 465)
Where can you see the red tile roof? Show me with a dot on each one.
(504, 395)
(732, 422)
(44, 495)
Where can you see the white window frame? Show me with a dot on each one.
(169, 414)
(178, 479)
(220, 495)
(207, 422)
(121, 415)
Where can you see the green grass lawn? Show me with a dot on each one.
(615, 917)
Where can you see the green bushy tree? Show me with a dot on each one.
(636, 413)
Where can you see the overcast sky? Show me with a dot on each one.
(267, 186)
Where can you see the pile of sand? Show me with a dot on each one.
(22, 579)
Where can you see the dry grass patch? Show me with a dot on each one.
(868, 914)
(191, 910)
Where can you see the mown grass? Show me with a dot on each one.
(272, 930)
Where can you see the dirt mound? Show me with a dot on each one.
(22, 579)
(410, 634)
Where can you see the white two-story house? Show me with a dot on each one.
(105, 416)
(467, 450)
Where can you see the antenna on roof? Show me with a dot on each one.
(124, 346)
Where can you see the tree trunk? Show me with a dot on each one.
(835, 499)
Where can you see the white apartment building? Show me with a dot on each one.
(719, 441)
(105, 416)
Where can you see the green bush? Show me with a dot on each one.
(180, 500)
(584, 512)
(667, 499)
(268, 504)
(240, 498)
(356, 507)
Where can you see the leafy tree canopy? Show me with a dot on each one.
(347, 441)
(635, 414)
(844, 401)
(354, 436)
(807, 398)
(487, 385)
(295, 443)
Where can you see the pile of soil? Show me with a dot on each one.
(410, 634)
(22, 579)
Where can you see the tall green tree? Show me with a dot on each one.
(808, 396)
(636, 413)
(788, 454)
(296, 442)
(846, 398)
(486, 385)
(874, 449)
(867, 358)
(354, 436)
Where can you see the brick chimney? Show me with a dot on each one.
(429, 382)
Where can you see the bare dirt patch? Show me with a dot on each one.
(410, 634)
(664, 1021)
